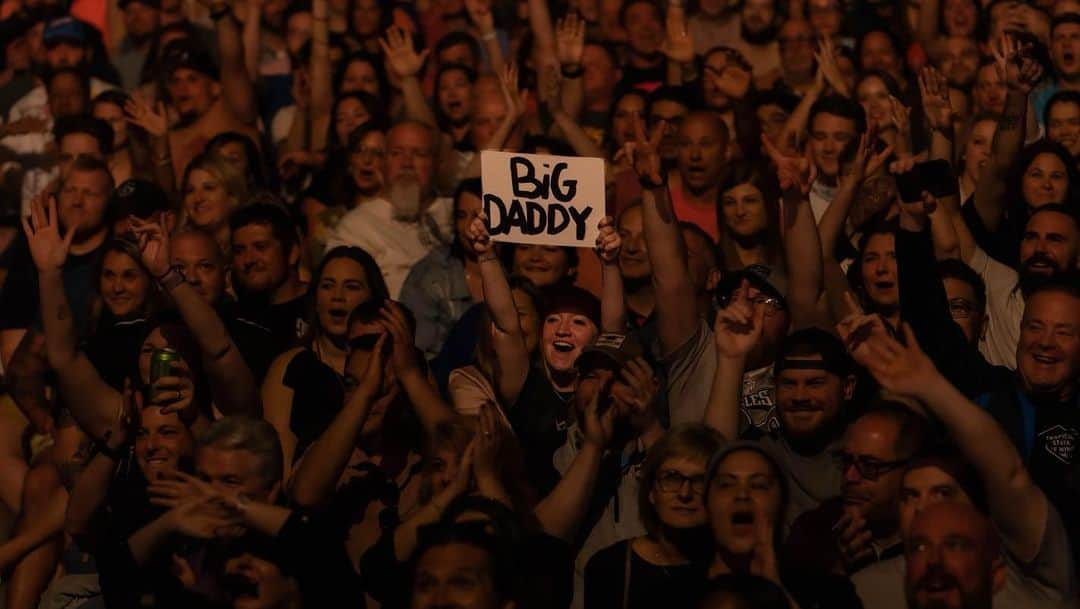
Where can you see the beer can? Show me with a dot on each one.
(161, 363)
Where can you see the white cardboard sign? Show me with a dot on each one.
(542, 199)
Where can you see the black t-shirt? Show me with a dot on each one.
(255, 343)
(19, 302)
(677, 586)
(1055, 458)
(318, 396)
(646, 79)
(286, 322)
(540, 419)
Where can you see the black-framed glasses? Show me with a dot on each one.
(868, 467)
(671, 481)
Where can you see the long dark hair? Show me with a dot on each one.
(371, 104)
(373, 275)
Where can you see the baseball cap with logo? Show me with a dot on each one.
(609, 350)
(183, 53)
(65, 29)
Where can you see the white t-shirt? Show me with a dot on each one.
(395, 245)
(1004, 304)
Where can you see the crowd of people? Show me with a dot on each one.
(260, 349)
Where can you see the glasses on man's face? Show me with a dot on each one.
(961, 308)
(671, 481)
(772, 305)
(869, 468)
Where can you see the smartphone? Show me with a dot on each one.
(936, 177)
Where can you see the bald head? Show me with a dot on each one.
(953, 559)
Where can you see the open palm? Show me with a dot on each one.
(48, 249)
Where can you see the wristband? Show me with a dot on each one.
(572, 73)
(488, 36)
(647, 183)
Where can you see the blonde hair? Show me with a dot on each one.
(227, 176)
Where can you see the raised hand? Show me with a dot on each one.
(479, 237)
(899, 116)
(638, 389)
(857, 327)
(735, 78)
(487, 442)
(570, 40)
(370, 381)
(172, 488)
(643, 153)
(900, 368)
(481, 16)
(866, 162)
(48, 249)
(793, 172)
(1014, 65)
(934, 89)
(827, 67)
(202, 517)
(153, 245)
(516, 99)
(764, 563)
(678, 43)
(153, 121)
(401, 57)
(403, 355)
(853, 538)
(271, 587)
(608, 242)
(174, 393)
(739, 325)
(599, 428)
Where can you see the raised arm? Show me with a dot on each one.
(26, 376)
(322, 97)
(560, 513)
(515, 109)
(316, 476)
(802, 245)
(429, 406)
(676, 302)
(678, 46)
(737, 329)
(231, 381)
(1017, 506)
(927, 30)
(1020, 74)
(93, 404)
(237, 86)
(612, 298)
(484, 20)
(91, 487)
(251, 35)
(404, 62)
(934, 90)
(511, 352)
(570, 39)
(154, 122)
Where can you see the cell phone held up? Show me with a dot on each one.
(936, 177)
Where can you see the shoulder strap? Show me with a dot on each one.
(626, 575)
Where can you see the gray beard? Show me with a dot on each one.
(406, 198)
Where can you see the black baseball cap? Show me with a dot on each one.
(804, 348)
(609, 350)
(65, 29)
(761, 276)
(154, 4)
(183, 53)
(139, 198)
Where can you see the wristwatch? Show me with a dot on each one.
(171, 278)
(647, 183)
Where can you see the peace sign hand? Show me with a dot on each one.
(794, 172)
(643, 153)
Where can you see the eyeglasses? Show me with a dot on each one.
(869, 468)
(772, 304)
(671, 481)
(961, 308)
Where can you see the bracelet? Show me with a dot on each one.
(572, 73)
(488, 36)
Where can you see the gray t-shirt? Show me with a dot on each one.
(690, 369)
(1047, 582)
(811, 480)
